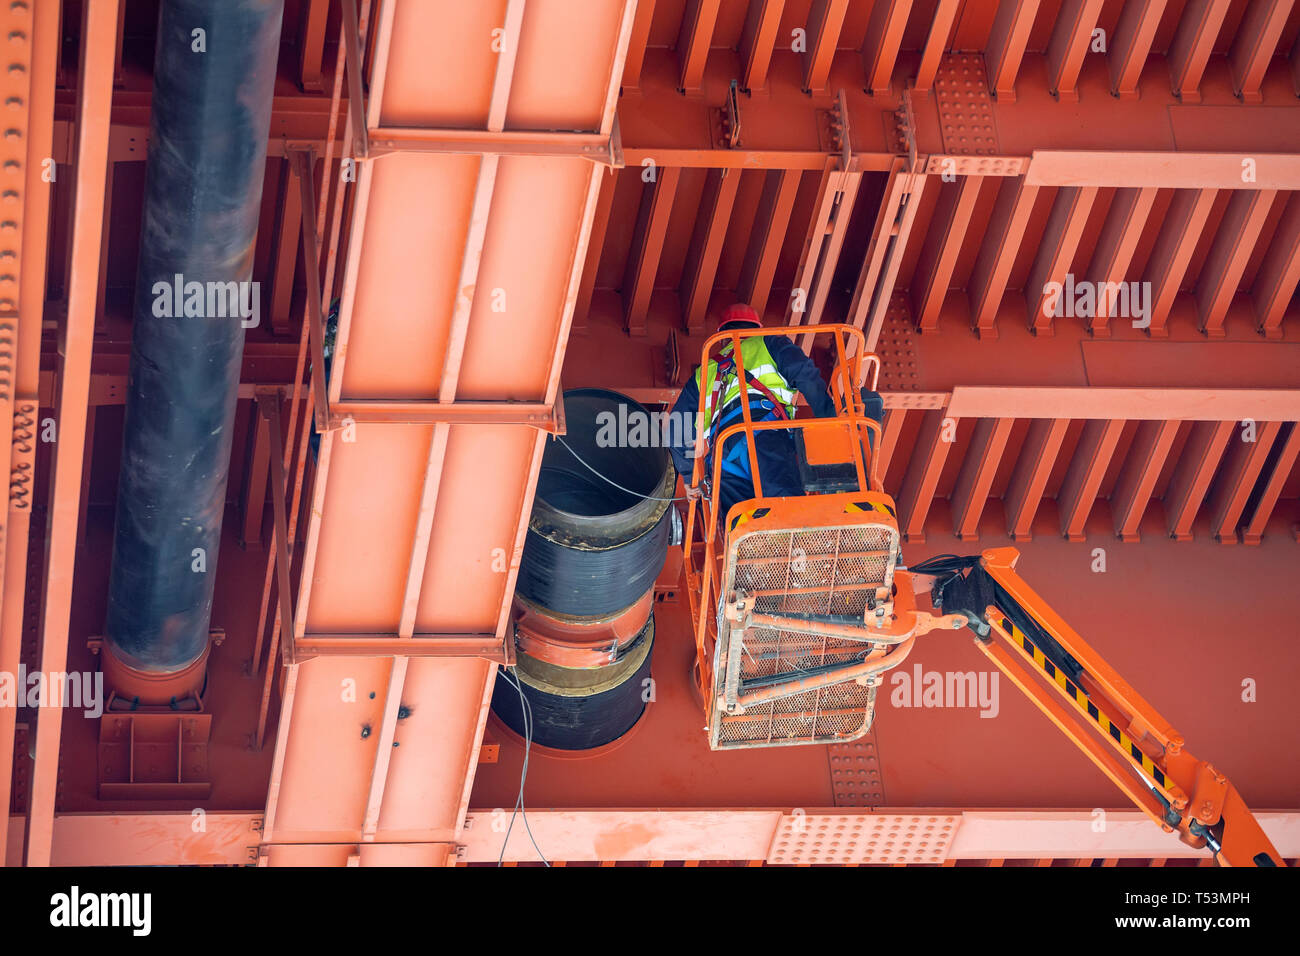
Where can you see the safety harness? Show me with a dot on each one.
(736, 459)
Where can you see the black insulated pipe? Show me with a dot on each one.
(596, 542)
(214, 76)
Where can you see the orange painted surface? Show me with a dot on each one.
(496, 252)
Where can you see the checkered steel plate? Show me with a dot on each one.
(802, 571)
(880, 838)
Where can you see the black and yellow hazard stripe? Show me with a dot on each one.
(857, 506)
(1084, 703)
(746, 516)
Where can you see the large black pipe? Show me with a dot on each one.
(214, 74)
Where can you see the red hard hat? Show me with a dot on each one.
(740, 314)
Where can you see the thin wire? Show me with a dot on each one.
(610, 480)
(519, 807)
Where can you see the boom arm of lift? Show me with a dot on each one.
(1092, 705)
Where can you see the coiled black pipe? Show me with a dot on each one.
(575, 708)
(592, 547)
(214, 75)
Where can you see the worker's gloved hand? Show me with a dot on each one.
(693, 492)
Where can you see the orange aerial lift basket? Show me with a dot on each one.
(796, 612)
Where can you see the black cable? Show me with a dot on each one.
(519, 808)
(629, 491)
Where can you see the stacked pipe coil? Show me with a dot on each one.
(583, 610)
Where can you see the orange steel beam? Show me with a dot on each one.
(101, 295)
(1162, 169)
(591, 266)
(252, 496)
(820, 272)
(1070, 43)
(1056, 251)
(423, 531)
(118, 75)
(936, 42)
(636, 50)
(598, 147)
(463, 506)
(1132, 45)
(883, 245)
(691, 834)
(388, 730)
(1191, 480)
(757, 41)
(780, 186)
(701, 155)
(1006, 46)
(1125, 220)
(976, 477)
(84, 497)
(453, 364)
(836, 194)
(1173, 251)
(1186, 404)
(285, 249)
(1244, 463)
(701, 266)
(1234, 243)
(98, 35)
(311, 45)
(693, 42)
(486, 646)
(874, 291)
(24, 238)
(922, 479)
(1253, 533)
(647, 247)
(825, 19)
(1084, 476)
(283, 555)
(1279, 272)
(1029, 480)
(302, 162)
(892, 429)
(381, 412)
(1294, 57)
(1253, 47)
(169, 839)
(819, 227)
(468, 283)
(883, 42)
(1193, 42)
(350, 40)
(992, 270)
(302, 437)
(1137, 480)
(945, 238)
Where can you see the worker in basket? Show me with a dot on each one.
(775, 368)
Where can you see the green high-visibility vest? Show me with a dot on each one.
(759, 364)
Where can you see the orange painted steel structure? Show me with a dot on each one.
(491, 268)
(995, 152)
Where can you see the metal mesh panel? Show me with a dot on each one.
(802, 571)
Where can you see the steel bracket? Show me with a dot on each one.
(727, 116)
(356, 98)
(302, 161)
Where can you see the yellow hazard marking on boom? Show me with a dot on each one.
(746, 516)
(1083, 702)
(856, 506)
